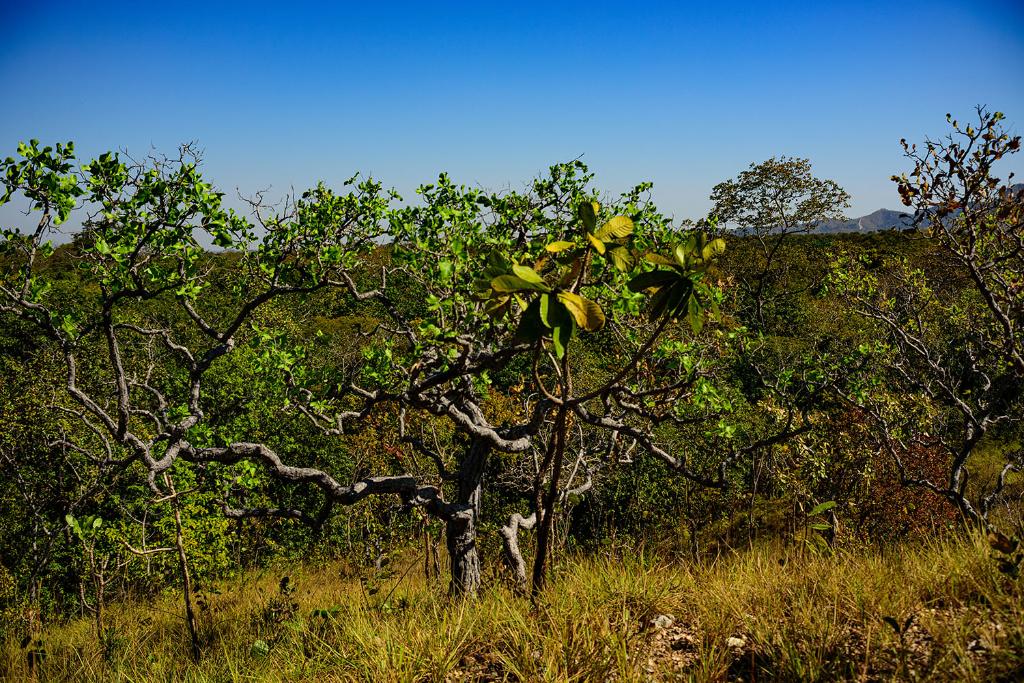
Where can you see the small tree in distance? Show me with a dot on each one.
(771, 201)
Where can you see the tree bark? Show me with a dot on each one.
(461, 526)
(513, 555)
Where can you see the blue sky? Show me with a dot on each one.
(686, 95)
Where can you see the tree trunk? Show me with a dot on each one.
(460, 528)
(513, 556)
(186, 578)
(547, 519)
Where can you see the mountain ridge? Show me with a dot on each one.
(876, 221)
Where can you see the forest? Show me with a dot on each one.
(537, 434)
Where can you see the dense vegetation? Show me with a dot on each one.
(191, 397)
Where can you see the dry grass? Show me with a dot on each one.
(766, 614)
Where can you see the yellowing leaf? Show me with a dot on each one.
(596, 243)
(621, 258)
(587, 313)
(713, 249)
(659, 260)
(561, 245)
(527, 273)
(618, 227)
(681, 254)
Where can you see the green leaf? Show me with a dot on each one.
(617, 227)
(680, 254)
(530, 327)
(498, 306)
(557, 318)
(588, 214)
(545, 309)
(496, 259)
(506, 284)
(654, 278)
(587, 313)
(560, 336)
(679, 294)
(67, 324)
(527, 273)
(823, 507)
(695, 314)
(658, 303)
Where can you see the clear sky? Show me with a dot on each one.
(683, 94)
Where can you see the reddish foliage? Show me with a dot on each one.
(864, 479)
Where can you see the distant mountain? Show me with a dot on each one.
(883, 219)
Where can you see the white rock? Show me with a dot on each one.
(735, 642)
(663, 621)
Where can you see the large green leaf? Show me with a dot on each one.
(497, 260)
(552, 311)
(560, 336)
(682, 253)
(506, 284)
(695, 314)
(527, 273)
(530, 328)
(823, 507)
(654, 278)
(557, 318)
(671, 299)
(658, 303)
(588, 214)
(498, 306)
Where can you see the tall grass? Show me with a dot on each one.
(764, 614)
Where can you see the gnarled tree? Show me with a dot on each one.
(955, 354)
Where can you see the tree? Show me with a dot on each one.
(771, 201)
(167, 319)
(953, 356)
(510, 282)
